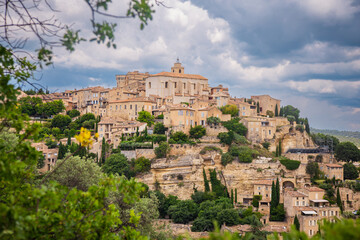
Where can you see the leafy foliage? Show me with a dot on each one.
(226, 158)
(230, 109)
(159, 128)
(73, 113)
(350, 171)
(290, 164)
(313, 169)
(60, 121)
(213, 121)
(183, 211)
(179, 137)
(197, 132)
(117, 164)
(347, 151)
(290, 111)
(209, 149)
(146, 117)
(162, 150)
(235, 126)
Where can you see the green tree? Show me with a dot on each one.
(197, 132)
(76, 172)
(62, 151)
(146, 117)
(307, 126)
(270, 113)
(296, 223)
(206, 182)
(226, 158)
(274, 200)
(235, 126)
(257, 107)
(256, 200)
(312, 168)
(179, 137)
(235, 195)
(213, 121)
(276, 111)
(73, 113)
(291, 111)
(117, 164)
(159, 128)
(217, 187)
(68, 141)
(338, 200)
(230, 109)
(61, 121)
(266, 145)
(226, 137)
(142, 165)
(350, 171)
(347, 151)
(232, 195)
(162, 150)
(103, 151)
(183, 211)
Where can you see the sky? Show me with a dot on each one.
(304, 52)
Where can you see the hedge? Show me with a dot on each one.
(290, 164)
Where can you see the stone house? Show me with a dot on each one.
(266, 103)
(50, 155)
(332, 170)
(259, 128)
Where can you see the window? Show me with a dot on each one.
(194, 86)
(297, 203)
(130, 106)
(243, 108)
(166, 84)
(310, 232)
(184, 85)
(259, 188)
(202, 114)
(269, 132)
(180, 71)
(180, 113)
(116, 107)
(149, 84)
(125, 106)
(303, 203)
(175, 84)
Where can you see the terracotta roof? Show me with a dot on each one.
(179, 75)
(334, 165)
(295, 194)
(303, 208)
(264, 182)
(315, 189)
(140, 99)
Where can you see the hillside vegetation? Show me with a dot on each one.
(343, 136)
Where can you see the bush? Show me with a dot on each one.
(141, 165)
(256, 200)
(290, 164)
(228, 216)
(230, 109)
(350, 171)
(209, 149)
(244, 153)
(300, 128)
(183, 211)
(159, 128)
(197, 132)
(236, 126)
(179, 137)
(60, 121)
(226, 137)
(117, 164)
(226, 158)
(347, 151)
(161, 116)
(157, 138)
(213, 121)
(270, 113)
(134, 145)
(198, 197)
(73, 113)
(278, 213)
(266, 145)
(162, 150)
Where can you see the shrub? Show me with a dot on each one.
(159, 128)
(226, 137)
(73, 113)
(209, 149)
(197, 132)
(318, 158)
(141, 165)
(226, 158)
(236, 126)
(230, 109)
(290, 164)
(256, 200)
(300, 128)
(162, 150)
(161, 116)
(157, 138)
(270, 113)
(198, 197)
(228, 216)
(183, 211)
(213, 121)
(244, 153)
(179, 137)
(266, 145)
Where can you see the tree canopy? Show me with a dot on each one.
(347, 151)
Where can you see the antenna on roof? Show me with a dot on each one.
(177, 60)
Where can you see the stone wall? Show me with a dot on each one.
(215, 130)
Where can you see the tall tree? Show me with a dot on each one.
(235, 195)
(273, 196)
(277, 192)
(206, 182)
(280, 148)
(69, 140)
(257, 107)
(307, 126)
(276, 111)
(232, 196)
(297, 223)
(338, 200)
(103, 151)
(62, 151)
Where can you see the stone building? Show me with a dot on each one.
(266, 103)
(50, 155)
(259, 128)
(332, 170)
(180, 86)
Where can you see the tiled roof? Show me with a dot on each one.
(179, 75)
(315, 189)
(295, 194)
(263, 182)
(140, 99)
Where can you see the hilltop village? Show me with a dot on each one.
(203, 144)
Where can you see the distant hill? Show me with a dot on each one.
(343, 136)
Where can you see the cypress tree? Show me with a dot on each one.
(277, 151)
(145, 132)
(281, 111)
(62, 151)
(232, 196)
(273, 196)
(235, 195)
(280, 149)
(244, 99)
(96, 127)
(277, 192)
(297, 223)
(69, 140)
(122, 137)
(103, 149)
(137, 131)
(338, 200)
(307, 127)
(206, 182)
(276, 111)
(257, 107)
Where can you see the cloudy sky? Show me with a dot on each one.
(304, 52)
